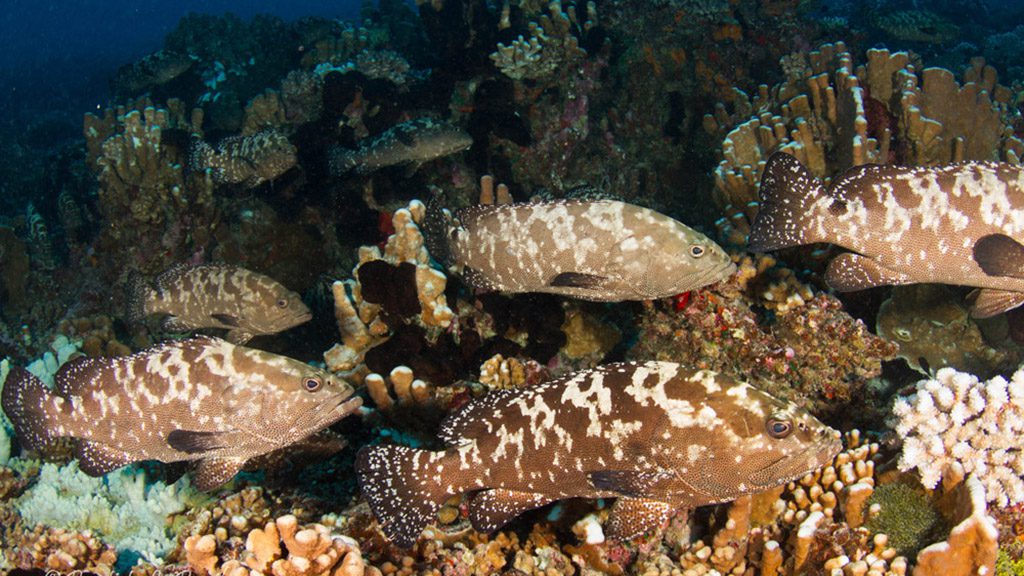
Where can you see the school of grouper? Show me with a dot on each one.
(657, 436)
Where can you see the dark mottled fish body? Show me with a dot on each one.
(152, 70)
(202, 399)
(247, 160)
(244, 302)
(602, 250)
(955, 224)
(656, 435)
(413, 143)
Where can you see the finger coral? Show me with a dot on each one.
(957, 420)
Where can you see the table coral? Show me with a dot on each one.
(957, 420)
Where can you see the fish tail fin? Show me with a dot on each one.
(788, 190)
(341, 161)
(403, 489)
(24, 401)
(139, 292)
(435, 225)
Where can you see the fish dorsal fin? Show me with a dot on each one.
(787, 191)
(629, 482)
(851, 272)
(1000, 255)
(97, 458)
(988, 302)
(473, 420)
(492, 509)
(75, 375)
(197, 442)
(210, 473)
(633, 517)
(167, 278)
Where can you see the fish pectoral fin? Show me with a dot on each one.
(97, 458)
(850, 272)
(989, 302)
(578, 280)
(492, 509)
(239, 336)
(628, 482)
(175, 324)
(197, 442)
(225, 319)
(1000, 255)
(210, 473)
(634, 517)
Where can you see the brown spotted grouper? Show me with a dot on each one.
(602, 250)
(243, 302)
(411, 143)
(955, 224)
(202, 399)
(658, 436)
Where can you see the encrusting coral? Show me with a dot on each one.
(956, 420)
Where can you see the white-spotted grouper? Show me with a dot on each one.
(203, 399)
(243, 302)
(657, 435)
(601, 250)
(959, 224)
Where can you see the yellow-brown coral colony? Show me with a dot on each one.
(658, 287)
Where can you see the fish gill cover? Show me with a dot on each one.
(511, 286)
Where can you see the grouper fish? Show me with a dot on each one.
(243, 302)
(203, 399)
(959, 224)
(601, 250)
(410, 143)
(658, 436)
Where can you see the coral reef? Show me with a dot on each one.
(833, 115)
(956, 420)
(934, 331)
(807, 348)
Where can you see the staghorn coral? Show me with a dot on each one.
(956, 420)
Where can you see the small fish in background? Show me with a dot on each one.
(658, 436)
(152, 70)
(954, 224)
(600, 250)
(40, 243)
(247, 160)
(243, 302)
(202, 399)
(412, 143)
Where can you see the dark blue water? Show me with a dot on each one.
(60, 55)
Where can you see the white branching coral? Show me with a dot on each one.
(957, 420)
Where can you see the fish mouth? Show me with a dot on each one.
(711, 276)
(794, 466)
(344, 407)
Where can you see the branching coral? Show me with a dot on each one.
(956, 420)
(833, 115)
(552, 44)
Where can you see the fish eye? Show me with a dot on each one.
(779, 428)
(697, 250)
(312, 384)
(282, 303)
(902, 334)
